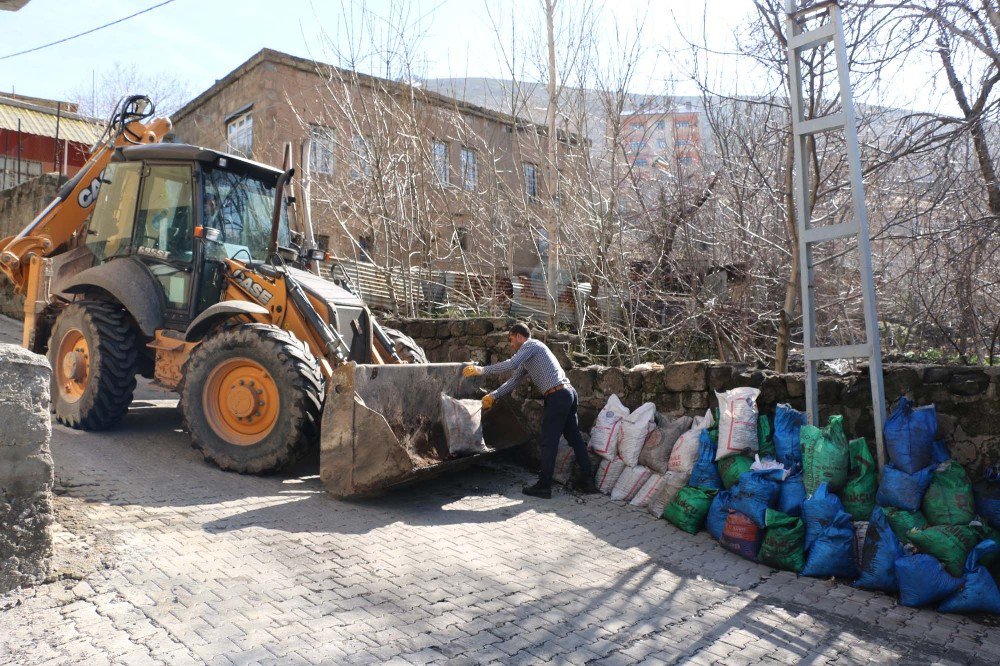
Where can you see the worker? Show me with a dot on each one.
(533, 359)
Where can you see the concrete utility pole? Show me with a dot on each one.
(552, 183)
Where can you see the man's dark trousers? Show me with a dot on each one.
(560, 418)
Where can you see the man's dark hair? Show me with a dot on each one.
(520, 329)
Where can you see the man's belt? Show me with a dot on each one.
(557, 387)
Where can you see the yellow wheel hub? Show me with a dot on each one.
(72, 365)
(241, 401)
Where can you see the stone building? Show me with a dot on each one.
(399, 175)
(668, 137)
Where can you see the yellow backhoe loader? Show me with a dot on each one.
(178, 263)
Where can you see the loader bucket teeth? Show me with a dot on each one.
(382, 425)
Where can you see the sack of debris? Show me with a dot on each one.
(824, 455)
(607, 430)
(463, 426)
(950, 544)
(666, 492)
(648, 490)
(909, 436)
(737, 422)
(784, 541)
(979, 593)
(685, 451)
(607, 474)
(705, 474)
(629, 483)
(688, 509)
(566, 461)
(879, 555)
(741, 535)
(862, 480)
(756, 492)
(787, 445)
(765, 437)
(818, 511)
(949, 500)
(903, 490)
(731, 467)
(832, 553)
(987, 494)
(660, 442)
(715, 521)
(793, 494)
(902, 521)
(923, 581)
(635, 427)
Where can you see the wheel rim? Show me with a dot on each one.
(241, 401)
(73, 365)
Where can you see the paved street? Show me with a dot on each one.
(164, 559)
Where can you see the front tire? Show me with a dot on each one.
(406, 347)
(94, 354)
(252, 398)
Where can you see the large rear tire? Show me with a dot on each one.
(406, 347)
(252, 398)
(94, 354)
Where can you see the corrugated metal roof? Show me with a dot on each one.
(42, 122)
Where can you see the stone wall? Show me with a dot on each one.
(967, 398)
(25, 468)
(19, 206)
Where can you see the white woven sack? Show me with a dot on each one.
(564, 462)
(629, 483)
(737, 421)
(607, 475)
(635, 427)
(647, 491)
(685, 451)
(607, 430)
(669, 487)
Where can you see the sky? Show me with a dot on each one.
(199, 41)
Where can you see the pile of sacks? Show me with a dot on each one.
(805, 499)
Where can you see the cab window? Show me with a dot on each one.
(110, 231)
(164, 225)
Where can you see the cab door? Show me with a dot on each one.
(164, 235)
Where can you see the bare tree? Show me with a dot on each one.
(119, 80)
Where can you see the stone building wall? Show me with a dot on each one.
(967, 398)
(19, 206)
(25, 468)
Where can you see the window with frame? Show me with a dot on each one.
(442, 165)
(686, 161)
(642, 163)
(681, 143)
(683, 123)
(635, 146)
(321, 150)
(660, 124)
(661, 143)
(366, 248)
(362, 163)
(239, 135)
(460, 238)
(470, 169)
(531, 181)
(637, 126)
(322, 241)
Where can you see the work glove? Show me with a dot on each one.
(472, 371)
(488, 401)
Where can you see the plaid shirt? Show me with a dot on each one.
(533, 360)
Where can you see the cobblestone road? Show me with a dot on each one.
(164, 559)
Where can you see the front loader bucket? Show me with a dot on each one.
(382, 425)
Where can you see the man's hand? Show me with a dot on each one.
(488, 401)
(472, 371)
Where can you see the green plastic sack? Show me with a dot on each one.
(862, 481)
(949, 500)
(950, 544)
(824, 455)
(731, 467)
(902, 521)
(765, 440)
(689, 507)
(784, 542)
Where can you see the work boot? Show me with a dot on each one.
(538, 490)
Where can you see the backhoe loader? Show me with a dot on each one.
(178, 263)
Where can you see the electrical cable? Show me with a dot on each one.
(100, 27)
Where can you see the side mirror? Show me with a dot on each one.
(210, 234)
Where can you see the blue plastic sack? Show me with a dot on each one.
(818, 512)
(987, 494)
(832, 553)
(793, 494)
(940, 452)
(787, 447)
(705, 473)
(923, 581)
(715, 522)
(756, 492)
(879, 555)
(979, 594)
(903, 490)
(909, 436)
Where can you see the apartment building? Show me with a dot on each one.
(665, 139)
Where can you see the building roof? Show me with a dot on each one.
(41, 121)
(313, 67)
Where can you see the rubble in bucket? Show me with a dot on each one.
(807, 500)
